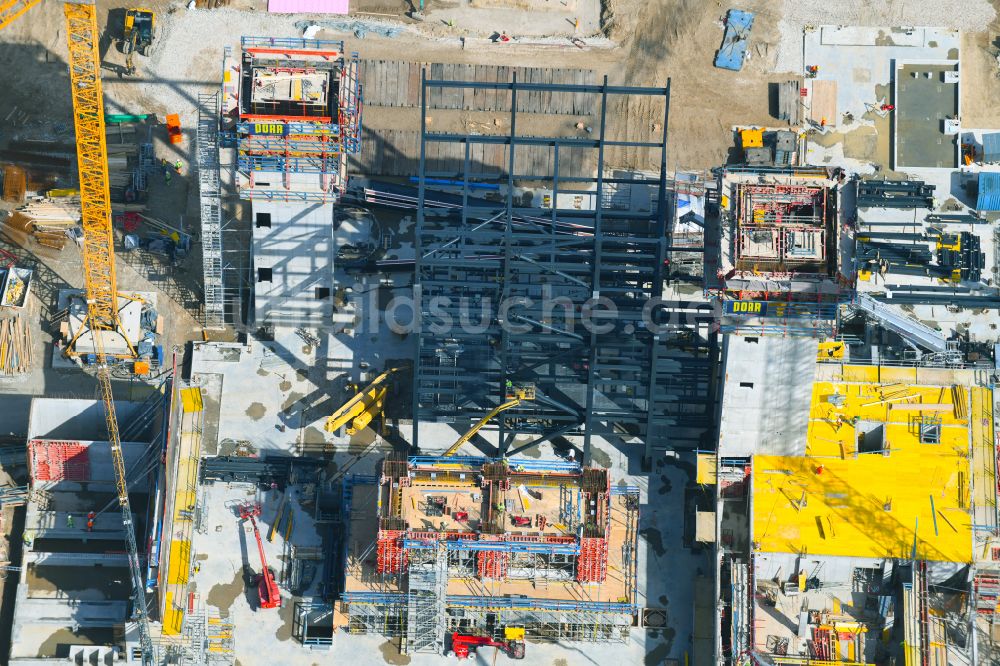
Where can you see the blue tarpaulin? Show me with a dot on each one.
(734, 43)
(989, 192)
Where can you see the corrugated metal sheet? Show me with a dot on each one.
(991, 147)
(989, 192)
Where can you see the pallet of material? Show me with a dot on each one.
(15, 287)
(46, 221)
(15, 347)
(20, 222)
(55, 240)
(50, 213)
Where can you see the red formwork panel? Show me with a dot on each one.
(391, 557)
(592, 564)
(58, 460)
(492, 565)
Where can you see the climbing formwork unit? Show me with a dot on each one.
(296, 118)
(778, 269)
(535, 540)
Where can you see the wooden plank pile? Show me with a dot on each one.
(46, 220)
(15, 347)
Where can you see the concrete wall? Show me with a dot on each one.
(58, 418)
(299, 250)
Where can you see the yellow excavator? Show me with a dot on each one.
(362, 409)
(137, 35)
(515, 396)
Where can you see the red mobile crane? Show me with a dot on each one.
(267, 588)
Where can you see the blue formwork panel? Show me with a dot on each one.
(734, 43)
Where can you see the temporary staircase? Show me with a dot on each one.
(426, 604)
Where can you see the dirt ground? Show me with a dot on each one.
(649, 43)
(980, 72)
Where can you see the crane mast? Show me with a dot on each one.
(92, 156)
(99, 259)
(11, 9)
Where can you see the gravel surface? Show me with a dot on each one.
(973, 15)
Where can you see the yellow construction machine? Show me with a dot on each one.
(515, 396)
(137, 35)
(362, 409)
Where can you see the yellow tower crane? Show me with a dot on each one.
(82, 38)
(11, 9)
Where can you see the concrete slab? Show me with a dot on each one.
(765, 406)
(926, 96)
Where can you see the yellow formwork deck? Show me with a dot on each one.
(838, 501)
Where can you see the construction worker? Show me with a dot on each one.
(167, 176)
(178, 165)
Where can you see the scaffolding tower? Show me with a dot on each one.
(211, 209)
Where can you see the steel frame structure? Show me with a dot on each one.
(512, 262)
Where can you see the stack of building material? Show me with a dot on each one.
(15, 347)
(46, 220)
(16, 283)
(790, 102)
(895, 194)
(122, 149)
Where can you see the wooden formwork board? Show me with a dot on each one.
(396, 83)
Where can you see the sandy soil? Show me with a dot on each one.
(675, 39)
(980, 72)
